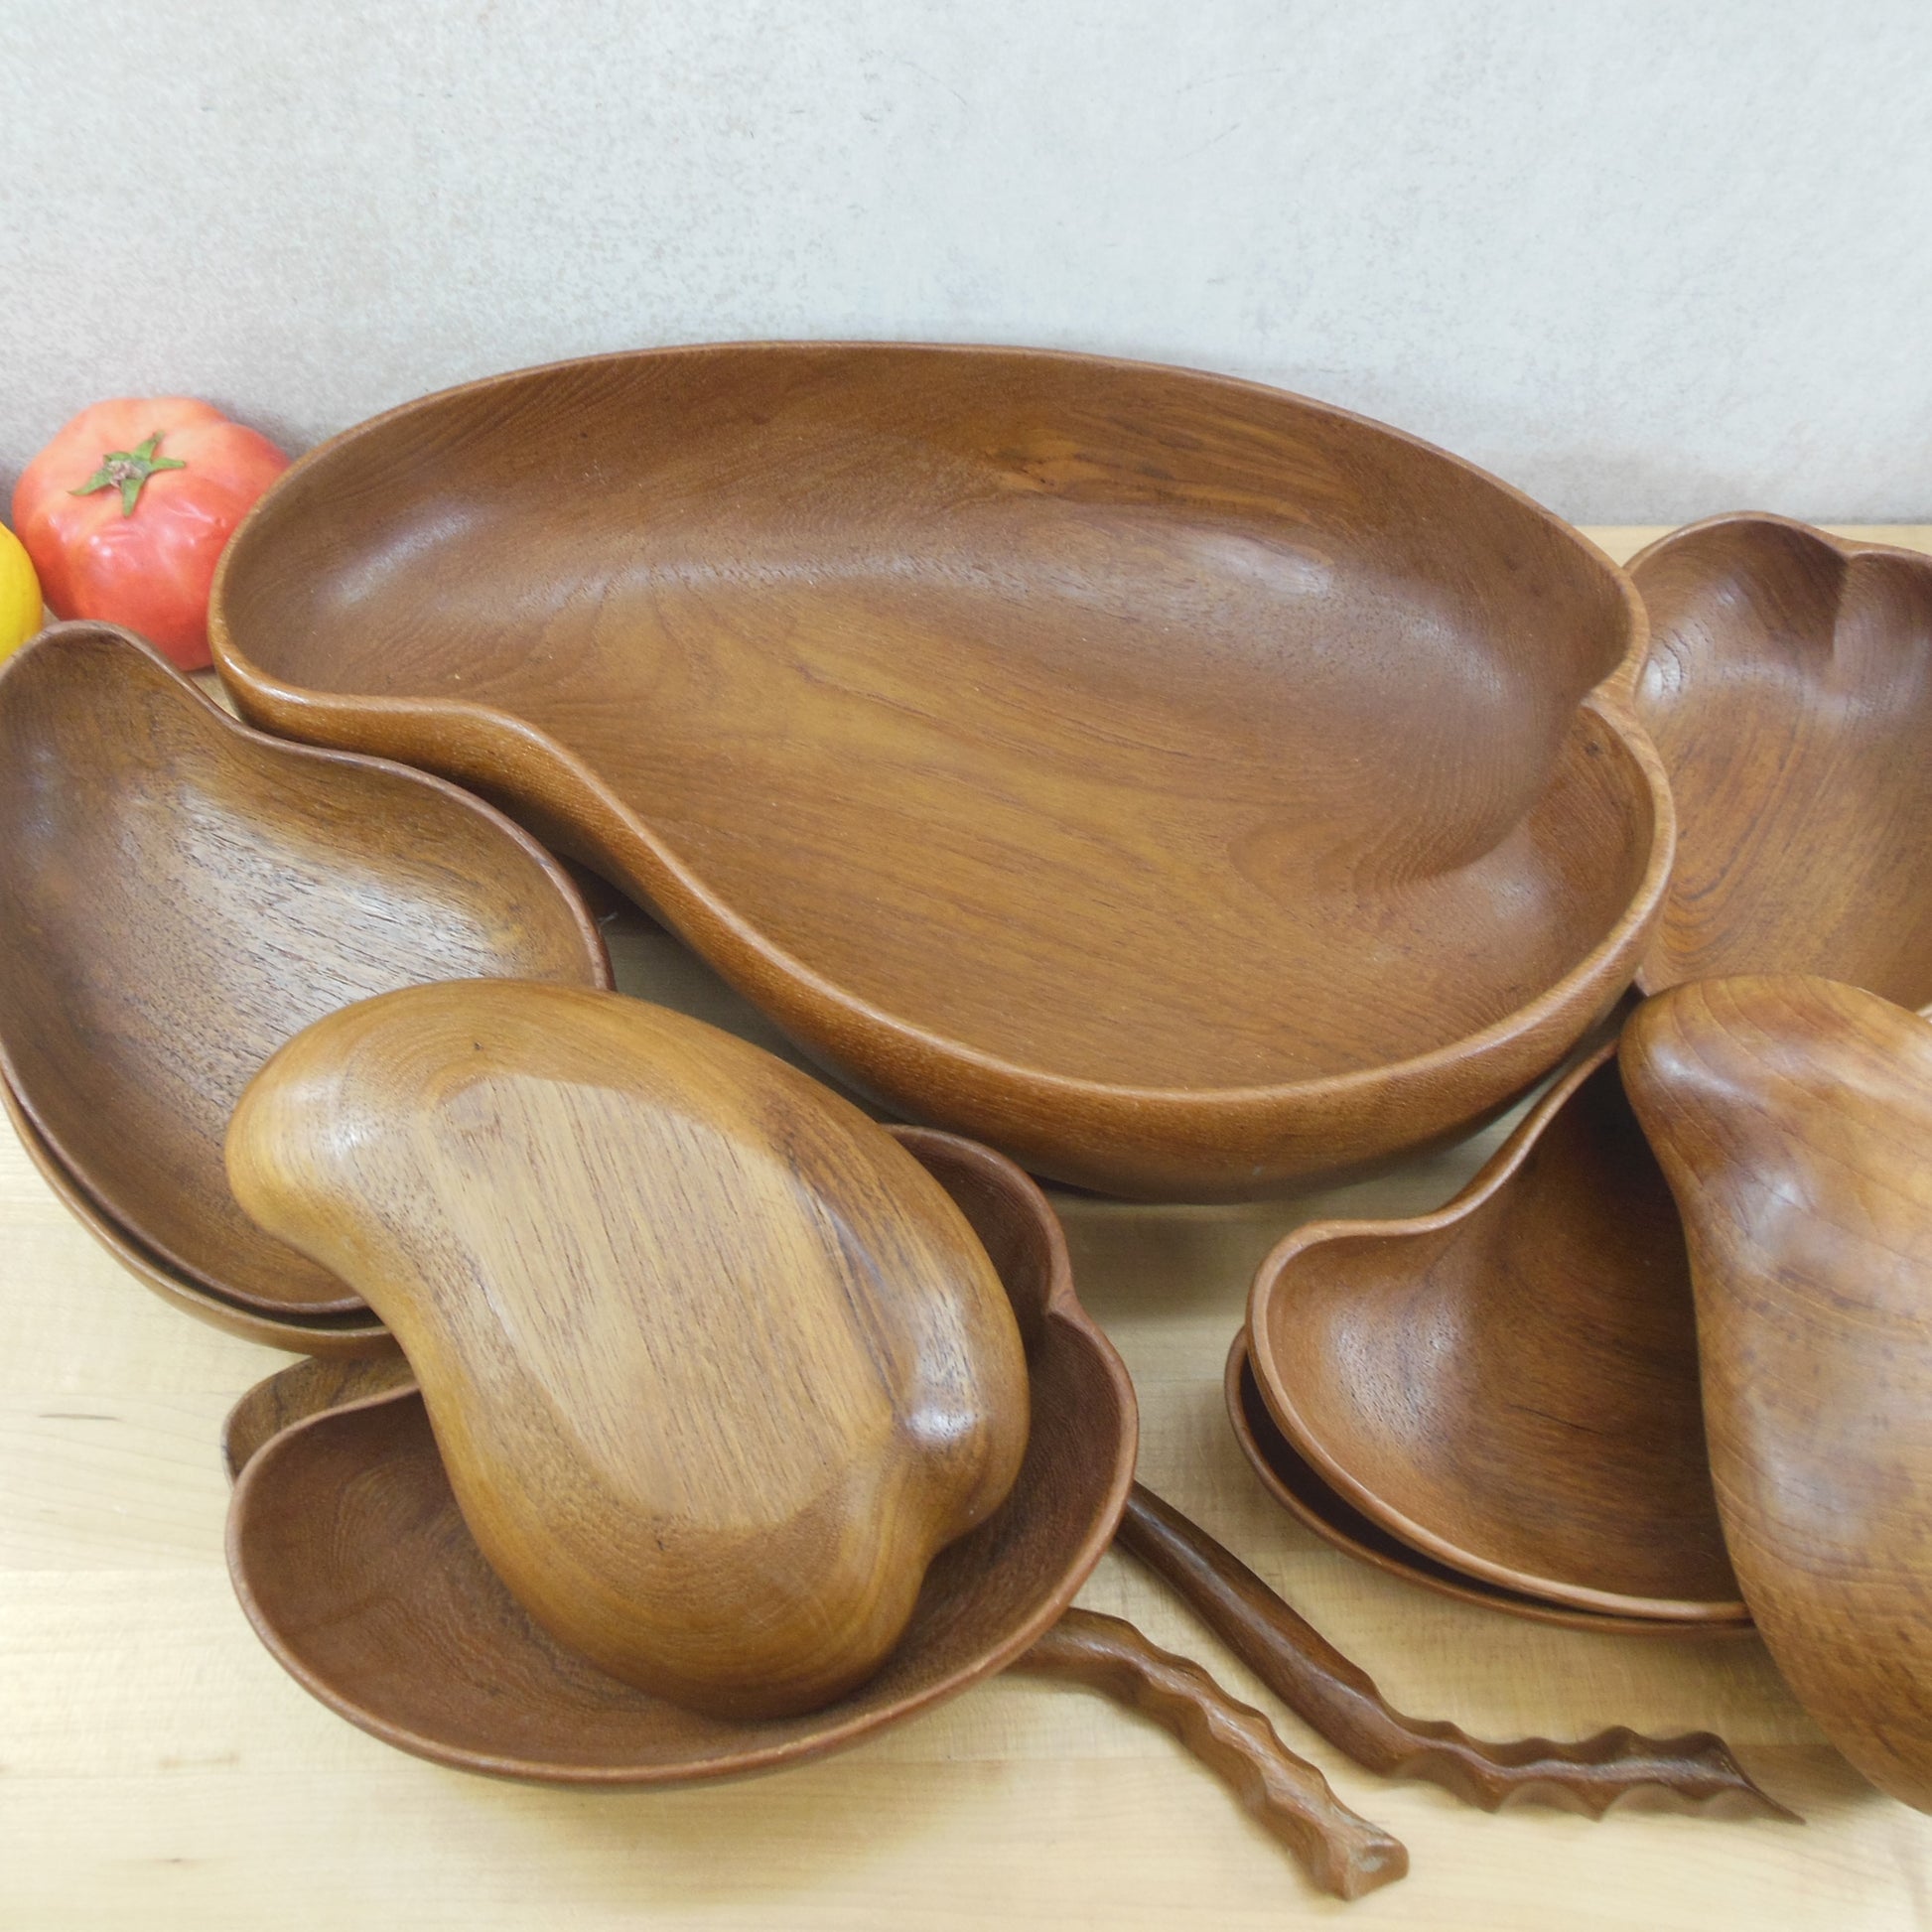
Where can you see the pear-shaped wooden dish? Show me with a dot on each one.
(1180, 784)
(1287, 1476)
(1793, 1116)
(1789, 690)
(349, 1336)
(1509, 1385)
(180, 893)
(353, 1564)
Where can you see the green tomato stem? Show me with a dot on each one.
(127, 469)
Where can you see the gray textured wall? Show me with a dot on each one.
(1646, 260)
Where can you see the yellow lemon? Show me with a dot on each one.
(19, 593)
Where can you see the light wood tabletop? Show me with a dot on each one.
(158, 1769)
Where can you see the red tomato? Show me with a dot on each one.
(126, 511)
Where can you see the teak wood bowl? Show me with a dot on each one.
(1510, 1384)
(1793, 1117)
(353, 1564)
(180, 893)
(1789, 691)
(347, 1338)
(1180, 784)
(714, 1365)
(1288, 1478)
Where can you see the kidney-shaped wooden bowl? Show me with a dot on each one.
(1510, 1384)
(1180, 784)
(180, 895)
(1285, 1473)
(1789, 689)
(352, 1336)
(354, 1565)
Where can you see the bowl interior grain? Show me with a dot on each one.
(182, 894)
(1285, 1473)
(1511, 1385)
(1789, 691)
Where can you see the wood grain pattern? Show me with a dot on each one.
(1339, 1699)
(1344, 1854)
(1285, 1475)
(357, 1569)
(714, 1365)
(180, 893)
(1793, 1117)
(1789, 690)
(351, 1336)
(1510, 1384)
(1180, 784)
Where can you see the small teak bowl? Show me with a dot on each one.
(349, 1338)
(353, 1564)
(1789, 691)
(1184, 787)
(180, 893)
(1511, 1385)
(1301, 1491)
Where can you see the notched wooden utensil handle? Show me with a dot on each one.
(1338, 1700)
(1342, 1854)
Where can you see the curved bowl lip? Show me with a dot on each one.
(596, 954)
(1648, 979)
(1274, 1384)
(1608, 698)
(1061, 1308)
(332, 1335)
(1473, 1590)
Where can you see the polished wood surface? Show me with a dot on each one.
(356, 1565)
(1340, 1699)
(1285, 1473)
(335, 1336)
(163, 1775)
(1789, 690)
(1510, 1384)
(1794, 1119)
(716, 1367)
(1180, 784)
(180, 894)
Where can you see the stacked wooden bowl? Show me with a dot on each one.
(1665, 1361)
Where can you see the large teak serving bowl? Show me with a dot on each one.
(179, 895)
(1180, 784)
(353, 1564)
(1789, 691)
